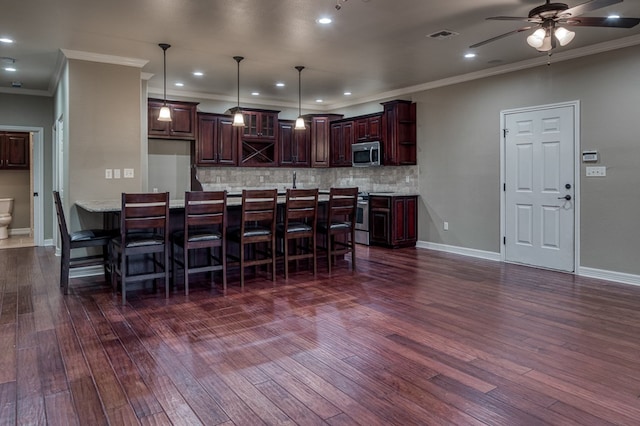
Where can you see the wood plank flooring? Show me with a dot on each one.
(413, 337)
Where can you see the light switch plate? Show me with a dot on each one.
(108, 173)
(596, 171)
(128, 173)
(116, 173)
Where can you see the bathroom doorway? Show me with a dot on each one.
(29, 200)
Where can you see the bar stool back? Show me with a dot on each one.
(341, 218)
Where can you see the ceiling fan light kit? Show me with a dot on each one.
(548, 17)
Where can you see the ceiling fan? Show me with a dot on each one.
(548, 17)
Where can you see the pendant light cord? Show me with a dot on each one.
(164, 47)
(299, 68)
(238, 59)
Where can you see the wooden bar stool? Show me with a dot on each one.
(144, 233)
(79, 239)
(205, 223)
(257, 227)
(340, 222)
(299, 227)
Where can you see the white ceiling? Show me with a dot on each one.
(373, 47)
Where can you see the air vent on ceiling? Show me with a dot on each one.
(442, 34)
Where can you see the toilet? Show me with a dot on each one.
(6, 207)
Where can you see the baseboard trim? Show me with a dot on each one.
(49, 243)
(602, 274)
(618, 277)
(19, 231)
(482, 254)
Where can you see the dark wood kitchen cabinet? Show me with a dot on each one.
(342, 137)
(182, 124)
(368, 128)
(399, 133)
(14, 151)
(217, 143)
(259, 123)
(320, 135)
(294, 144)
(258, 140)
(393, 220)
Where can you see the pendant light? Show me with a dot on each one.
(300, 120)
(165, 113)
(238, 118)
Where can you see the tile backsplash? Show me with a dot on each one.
(370, 179)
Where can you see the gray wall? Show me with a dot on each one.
(33, 111)
(459, 154)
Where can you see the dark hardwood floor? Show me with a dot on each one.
(414, 337)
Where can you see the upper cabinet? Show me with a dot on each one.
(368, 128)
(319, 125)
(182, 124)
(342, 137)
(259, 123)
(294, 144)
(14, 151)
(400, 133)
(217, 143)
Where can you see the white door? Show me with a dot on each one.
(539, 187)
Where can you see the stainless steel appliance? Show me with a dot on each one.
(362, 219)
(365, 154)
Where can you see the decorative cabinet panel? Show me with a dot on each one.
(217, 143)
(369, 128)
(393, 220)
(259, 123)
(342, 137)
(320, 128)
(400, 133)
(294, 144)
(182, 124)
(14, 151)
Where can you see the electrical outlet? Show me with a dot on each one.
(108, 173)
(598, 171)
(116, 173)
(407, 179)
(446, 226)
(128, 173)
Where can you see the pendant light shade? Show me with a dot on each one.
(238, 117)
(165, 112)
(300, 120)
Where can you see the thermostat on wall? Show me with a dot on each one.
(589, 156)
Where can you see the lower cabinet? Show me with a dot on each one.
(393, 220)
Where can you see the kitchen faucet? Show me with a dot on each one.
(294, 179)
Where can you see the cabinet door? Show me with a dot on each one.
(260, 124)
(286, 142)
(301, 142)
(227, 142)
(369, 128)
(16, 149)
(405, 228)
(379, 220)
(320, 134)
(182, 123)
(206, 153)
(156, 128)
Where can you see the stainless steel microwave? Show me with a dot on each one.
(365, 154)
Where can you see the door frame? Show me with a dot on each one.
(37, 177)
(576, 174)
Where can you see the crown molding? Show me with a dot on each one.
(29, 92)
(146, 75)
(105, 59)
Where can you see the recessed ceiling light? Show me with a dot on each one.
(10, 69)
(279, 84)
(255, 93)
(5, 40)
(469, 55)
(179, 84)
(324, 20)
(319, 100)
(347, 93)
(198, 73)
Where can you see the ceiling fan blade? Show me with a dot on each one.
(508, 18)
(601, 22)
(587, 7)
(492, 39)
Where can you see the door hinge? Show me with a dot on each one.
(504, 240)
(504, 186)
(505, 132)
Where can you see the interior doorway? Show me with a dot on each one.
(540, 173)
(36, 183)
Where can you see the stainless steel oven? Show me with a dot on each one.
(362, 219)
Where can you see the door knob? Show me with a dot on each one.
(566, 197)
